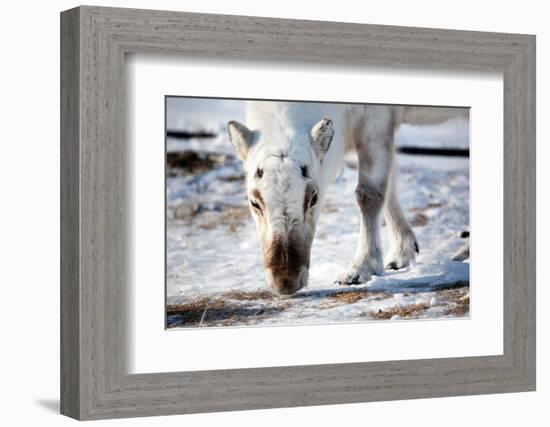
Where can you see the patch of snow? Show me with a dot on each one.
(454, 133)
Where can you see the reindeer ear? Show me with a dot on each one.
(321, 136)
(241, 138)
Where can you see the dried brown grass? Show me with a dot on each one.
(419, 220)
(410, 311)
(228, 308)
(232, 218)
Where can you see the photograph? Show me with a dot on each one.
(303, 212)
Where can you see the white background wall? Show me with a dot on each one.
(29, 211)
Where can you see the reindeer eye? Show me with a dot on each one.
(256, 206)
(313, 200)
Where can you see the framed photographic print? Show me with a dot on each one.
(262, 213)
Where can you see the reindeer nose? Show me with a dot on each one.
(286, 286)
(289, 285)
(286, 261)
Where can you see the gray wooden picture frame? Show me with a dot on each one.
(94, 41)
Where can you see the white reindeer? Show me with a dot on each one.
(292, 151)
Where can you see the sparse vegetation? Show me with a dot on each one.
(255, 307)
(231, 217)
(412, 311)
(224, 310)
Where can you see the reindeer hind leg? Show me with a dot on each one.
(403, 244)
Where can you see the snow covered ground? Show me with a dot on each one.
(214, 271)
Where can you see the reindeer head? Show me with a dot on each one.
(284, 194)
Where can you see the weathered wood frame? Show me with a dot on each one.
(94, 41)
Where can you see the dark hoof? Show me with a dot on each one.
(348, 282)
(392, 266)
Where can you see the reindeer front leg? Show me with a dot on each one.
(374, 146)
(368, 254)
